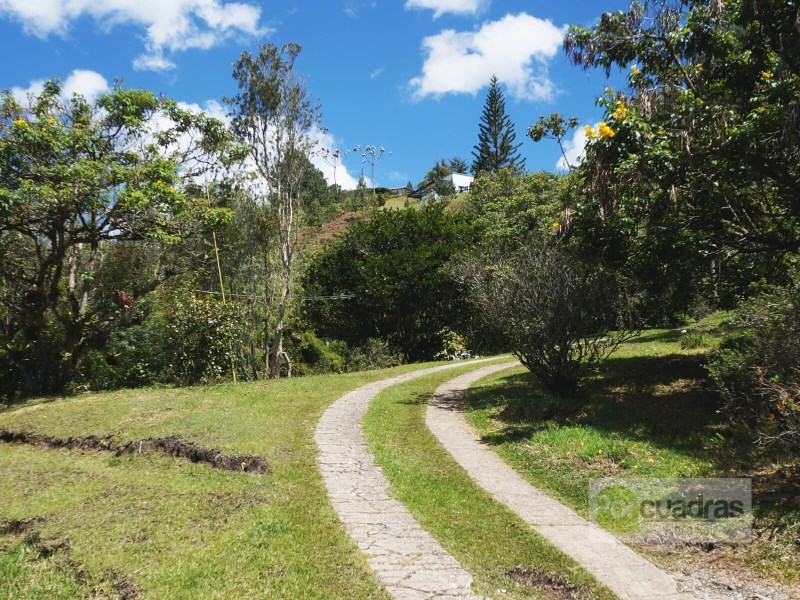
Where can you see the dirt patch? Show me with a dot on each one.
(549, 586)
(172, 446)
(125, 588)
(19, 526)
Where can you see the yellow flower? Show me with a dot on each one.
(635, 70)
(606, 131)
(19, 122)
(767, 74)
(556, 226)
(590, 133)
(620, 113)
(698, 68)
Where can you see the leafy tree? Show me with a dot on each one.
(554, 127)
(697, 162)
(273, 115)
(384, 279)
(436, 178)
(496, 149)
(319, 199)
(457, 165)
(513, 210)
(76, 182)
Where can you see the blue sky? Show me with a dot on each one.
(409, 75)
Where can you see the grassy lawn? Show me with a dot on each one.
(649, 412)
(493, 544)
(76, 523)
(399, 202)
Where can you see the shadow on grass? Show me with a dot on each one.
(673, 335)
(664, 400)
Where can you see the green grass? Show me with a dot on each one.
(649, 412)
(485, 537)
(399, 202)
(172, 528)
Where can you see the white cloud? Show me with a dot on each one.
(516, 48)
(574, 148)
(440, 7)
(171, 25)
(377, 72)
(152, 62)
(88, 84)
(325, 141)
(398, 176)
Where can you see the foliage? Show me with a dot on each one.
(554, 127)
(273, 115)
(697, 162)
(77, 182)
(496, 149)
(457, 165)
(435, 178)
(558, 315)
(384, 279)
(374, 353)
(512, 210)
(202, 333)
(319, 357)
(134, 356)
(319, 200)
(453, 344)
(757, 368)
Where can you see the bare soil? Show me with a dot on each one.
(549, 586)
(171, 446)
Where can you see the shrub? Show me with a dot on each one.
(202, 335)
(133, 357)
(691, 341)
(372, 354)
(757, 369)
(558, 315)
(319, 356)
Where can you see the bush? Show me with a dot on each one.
(133, 357)
(372, 354)
(319, 357)
(202, 335)
(559, 316)
(757, 369)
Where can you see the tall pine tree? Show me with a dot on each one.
(496, 149)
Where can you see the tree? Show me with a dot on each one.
(78, 182)
(435, 178)
(273, 115)
(696, 166)
(496, 149)
(512, 210)
(554, 127)
(384, 278)
(558, 315)
(457, 165)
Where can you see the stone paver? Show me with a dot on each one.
(622, 570)
(411, 564)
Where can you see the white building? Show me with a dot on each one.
(461, 183)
